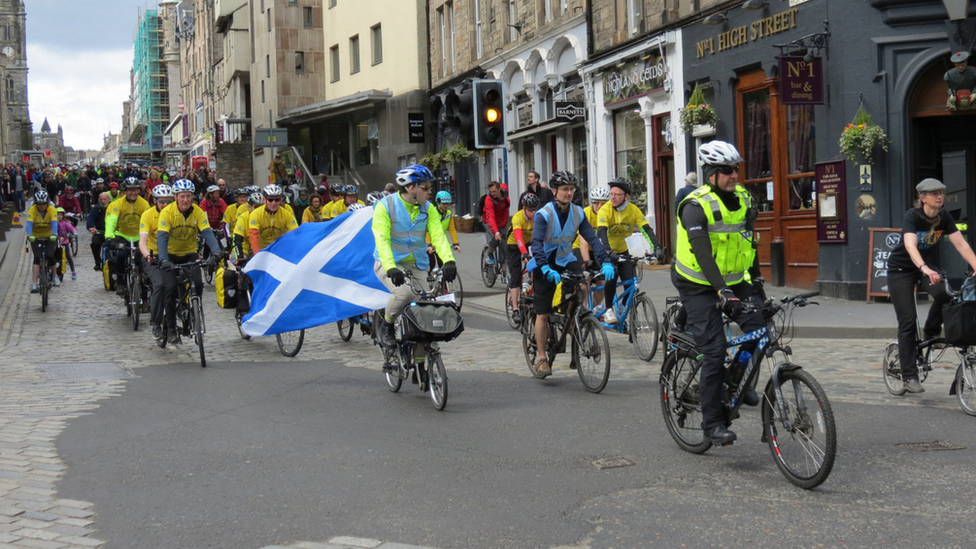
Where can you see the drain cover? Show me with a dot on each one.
(612, 463)
(930, 446)
(83, 371)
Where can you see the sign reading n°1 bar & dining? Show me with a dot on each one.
(800, 82)
(634, 77)
(831, 183)
(415, 125)
(569, 111)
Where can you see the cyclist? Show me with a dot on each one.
(351, 197)
(231, 213)
(910, 264)
(313, 212)
(266, 223)
(444, 201)
(214, 206)
(42, 230)
(497, 204)
(555, 227)
(114, 193)
(400, 222)
(176, 239)
(96, 226)
(715, 249)
(338, 198)
(148, 228)
(122, 228)
(242, 245)
(581, 249)
(65, 230)
(617, 220)
(69, 202)
(518, 250)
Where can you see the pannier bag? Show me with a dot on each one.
(424, 321)
(960, 323)
(226, 281)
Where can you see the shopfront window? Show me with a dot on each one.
(367, 142)
(631, 147)
(758, 147)
(528, 159)
(802, 151)
(579, 158)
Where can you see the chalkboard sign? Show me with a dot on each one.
(882, 243)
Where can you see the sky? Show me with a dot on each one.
(79, 54)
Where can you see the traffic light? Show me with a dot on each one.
(489, 114)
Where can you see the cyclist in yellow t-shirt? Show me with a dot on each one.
(42, 231)
(313, 212)
(351, 197)
(338, 198)
(518, 251)
(122, 220)
(581, 248)
(266, 223)
(242, 241)
(148, 228)
(617, 220)
(176, 238)
(233, 210)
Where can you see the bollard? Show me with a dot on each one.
(777, 264)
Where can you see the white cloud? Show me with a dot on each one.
(82, 91)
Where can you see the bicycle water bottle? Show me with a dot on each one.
(739, 366)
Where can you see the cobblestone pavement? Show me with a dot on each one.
(61, 363)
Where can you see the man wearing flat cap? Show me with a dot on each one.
(961, 81)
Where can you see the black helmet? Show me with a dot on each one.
(531, 202)
(621, 184)
(561, 178)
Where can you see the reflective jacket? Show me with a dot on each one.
(560, 238)
(407, 236)
(732, 244)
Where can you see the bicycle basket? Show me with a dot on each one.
(960, 323)
(424, 321)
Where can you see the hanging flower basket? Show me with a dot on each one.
(859, 139)
(697, 113)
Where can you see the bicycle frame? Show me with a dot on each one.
(628, 295)
(184, 283)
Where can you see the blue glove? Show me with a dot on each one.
(552, 275)
(608, 272)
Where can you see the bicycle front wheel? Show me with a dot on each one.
(455, 287)
(591, 353)
(509, 313)
(196, 312)
(966, 385)
(208, 272)
(289, 343)
(240, 329)
(437, 377)
(804, 440)
(644, 328)
(74, 245)
(394, 377)
(891, 370)
(681, 404)
(134, 295)
(487, 271)
(44, 281)
(345, 328)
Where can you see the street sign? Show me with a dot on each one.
(271, 137)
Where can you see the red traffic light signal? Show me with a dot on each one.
(489, 114)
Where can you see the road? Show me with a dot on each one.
(120, 442)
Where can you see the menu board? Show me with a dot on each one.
(882, 243)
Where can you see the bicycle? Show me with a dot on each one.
(345, 326)
(525, 293)
(289, 343)
(136, 290)
(189, 307)
(44, 276)
(589, 349)
(423, 324)
(637, 316)
(795, 408)
(491, 271)
(438, 287)
(209, 270)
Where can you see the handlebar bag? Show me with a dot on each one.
(960, 323)
(424, 321)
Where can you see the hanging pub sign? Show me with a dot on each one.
(831, 184)
(633, 78)
(800, 82)
(570, 111)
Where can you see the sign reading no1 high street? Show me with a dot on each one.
(800, 82)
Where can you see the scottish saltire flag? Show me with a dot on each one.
(317, 274)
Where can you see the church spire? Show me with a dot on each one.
(45, 127)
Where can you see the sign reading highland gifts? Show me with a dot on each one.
(800, 82)
(633, 78)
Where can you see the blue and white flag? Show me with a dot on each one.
(317, 274)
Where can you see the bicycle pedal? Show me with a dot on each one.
(728, 443)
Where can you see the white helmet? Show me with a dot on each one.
(162, 191)
(718, 153)
(356, 206)
(600, 193)
(272, 190)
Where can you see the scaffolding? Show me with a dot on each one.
(151, 86)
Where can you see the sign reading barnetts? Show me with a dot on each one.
(633, 78)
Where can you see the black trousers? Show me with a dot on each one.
(705, 324)
(155, 276)
(625, 271)
(98, 239)
(901, 286)
(169, 287)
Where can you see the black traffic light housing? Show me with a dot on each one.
(489, 114)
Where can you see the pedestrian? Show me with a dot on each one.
(19, 180)
(278, 171)
(691, 183)
(535, 186)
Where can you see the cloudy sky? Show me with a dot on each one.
(79, 53)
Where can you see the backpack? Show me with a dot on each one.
(480, 209)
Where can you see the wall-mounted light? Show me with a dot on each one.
(715, 19)
(753, 5)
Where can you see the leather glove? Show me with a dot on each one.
(450, 271)
(659, 255)
(551, 275)
(396, 276)
(614, 257)
(731, 305)
(608, 272)
(167, 265)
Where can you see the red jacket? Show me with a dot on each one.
(215, 212)
(496, 213)
(70, 204)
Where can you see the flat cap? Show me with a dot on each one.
(930, 184)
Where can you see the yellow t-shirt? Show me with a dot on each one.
(591, 217)
(340, 208)
(182, 229)
(230, 215)
(309, 215)
(129, 214)
(620, 225)
(149, 225)
(519, 221)
(42, 222)
(270, 226)
(240, 229)
(328, 211)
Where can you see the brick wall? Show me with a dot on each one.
(234, 164)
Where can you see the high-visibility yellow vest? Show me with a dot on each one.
(732, 244)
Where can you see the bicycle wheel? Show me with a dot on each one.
(891, 370)
(591, 353)
(487, 271)
(509, 313)
(680, 403)
(196, 312)
(134, 295)
(289, 343)
(240, 318)
(643, 326)
(966, 385)
(437, 379)
(455, 287)
(44, 282)
(345, 328)
(531, 351)
(394, 379)
(74, 245)
(208, 273)
(804, 442)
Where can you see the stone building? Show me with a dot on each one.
(15, 124)
(47, 141)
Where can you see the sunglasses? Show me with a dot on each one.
(728, 170)
(273, 199)
(164, 201)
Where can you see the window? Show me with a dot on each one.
(630, 145)
(262, 6)
(262, 91)
(367, 142)
(269, 19)
(332, 4)
(292, 2)
(334, 54)
(10, 90)
(477, 29)
(307, 16)
(758, 147)
(299, 62)
(267, 66)
(354, 54)
(547, 10)
(450, 25)
(440, 21)
(511, 21)
(377, 34)
(802, 154)
(565, 4)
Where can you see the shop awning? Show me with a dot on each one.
(541, 127)
(334, 107)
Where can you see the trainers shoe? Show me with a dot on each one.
(157, 331)
(35, 288)
(173, 337)
(97, 267)
(599, 310)
(57, 281)
(516, 317)
(913, 386)
(542, 368)
(490, 260)
(74, 276)
(610, 317)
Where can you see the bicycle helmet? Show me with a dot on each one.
(162, 191)
(600, 194)
(374, 197)
(273, 190)
(444, 197)
(255, 199)
(60, 210)
(531, 201)
(718, 153)
(352, 189)
(356, 206)
(99, 180)
(561, 178)
(213, 189)
(131, 183)
(413, 174)
(242, 191)
(41, 197)
(621, 184)
(183, 186)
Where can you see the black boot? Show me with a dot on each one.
(386, 334)
(720, 435)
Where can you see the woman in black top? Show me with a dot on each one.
(915, 261)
